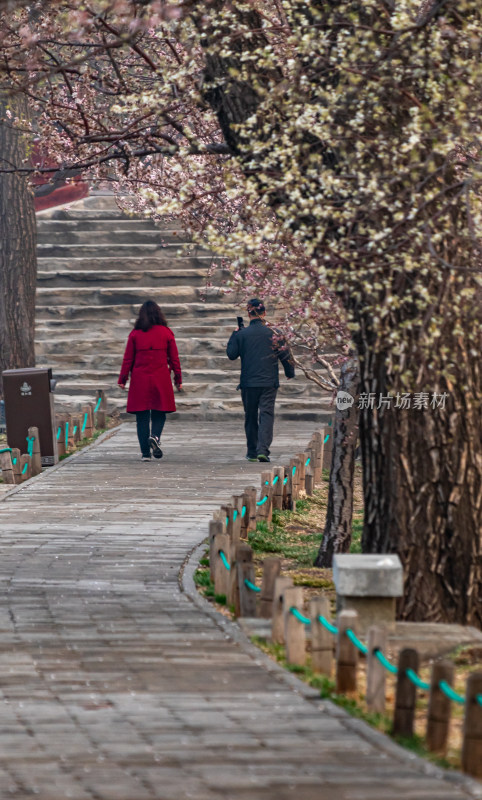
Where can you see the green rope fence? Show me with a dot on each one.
(410, 673)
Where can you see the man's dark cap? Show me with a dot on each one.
(256, 305)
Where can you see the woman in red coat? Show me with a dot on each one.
(150, 355)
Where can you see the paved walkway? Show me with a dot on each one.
(116, 686)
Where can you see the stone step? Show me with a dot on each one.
(316, 410)
(89, 224)
(115, 250)
(125, 263)
(123, 295)
(111, 237)
(113, 277)
(213, 313)
(113, 335)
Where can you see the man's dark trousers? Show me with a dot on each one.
(258, 405)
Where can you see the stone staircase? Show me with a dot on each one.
(96, 266)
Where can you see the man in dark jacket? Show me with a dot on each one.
(259, 378)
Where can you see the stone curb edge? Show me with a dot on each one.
(48, 471)
(374, 737)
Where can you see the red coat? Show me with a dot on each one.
(150, 356)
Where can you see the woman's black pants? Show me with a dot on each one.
(149, 423)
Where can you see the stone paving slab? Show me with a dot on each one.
(114, 685)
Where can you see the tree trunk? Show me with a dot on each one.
(339, 513)
(18, 249)
(422, 472)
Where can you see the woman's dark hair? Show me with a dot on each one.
(150, 314)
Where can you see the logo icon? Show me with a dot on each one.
(25, 389)
(344, 400)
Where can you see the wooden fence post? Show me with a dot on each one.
(87, 424)
(237, 503)
(309, 482)
(233, 527)
(25, 467)
(245, 517)
(278, 478)
(216, 528)
(321, 638)
(245, 572)
(271, 571)
(252, 493)
(69, 432)
(60, 434)
(243, 553)
(221, 573)
(15, 454)
(439, 707)
(327, 447)
(100, 414)
(277, 620)
(288, 489)
(302, 471)
(265, 510)
(318, 445)
(76, 425)
(346, 653)
(295, 478)
(375, 696)
(7, 467)
(36, 454)
(406, 694)
(294, 630)
(472, 741)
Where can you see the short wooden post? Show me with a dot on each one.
(277, 620)
(36, 454)
(76, 424)
(302, 470)
(406, 694)
(7, 467)
(375, 695)
(295, 635)
(318, 460)
(321, 638)
(220, 516)
(439, 707)
(25, 467)
(243, 554)
(60, 434)
(87, 422)
(245, 572)
(15, 454)
(237, 503)
(346, 653)
(309, 482)
(278, 478)
(252, 493)
(69, 432)
(271, 570)
(295, 478)
(264, 507)
(216, 528)
(245, 516)
(472, 733)
(221, 573)
(233, 526)
(327, 447)
(101, 413)
(288, 489)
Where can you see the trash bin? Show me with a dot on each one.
(29, 402)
